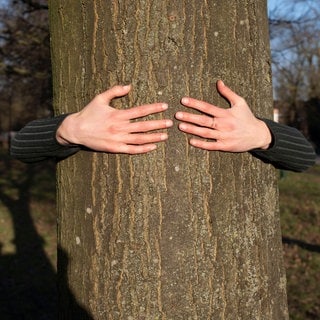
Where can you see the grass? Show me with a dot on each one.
(28, 262)
(27, 241)
(300, 223)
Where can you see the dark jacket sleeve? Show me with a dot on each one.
(37, 141)
(290, 150)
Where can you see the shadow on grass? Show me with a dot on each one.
(28, 288)
(301, 244)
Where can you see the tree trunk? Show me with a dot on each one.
(179, 233)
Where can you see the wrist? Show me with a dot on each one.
(65, 132)
(266, 136)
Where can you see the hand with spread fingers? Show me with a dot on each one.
(100, 127)
(234, 130)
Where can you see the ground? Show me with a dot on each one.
(28, 260)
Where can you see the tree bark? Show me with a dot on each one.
(179, 233)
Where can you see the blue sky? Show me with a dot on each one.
(287, 8)
(272, 3)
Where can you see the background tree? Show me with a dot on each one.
(179, 233)
(27, 193)
(295, 34)
(25, 68)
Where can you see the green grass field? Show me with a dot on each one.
(28, 241)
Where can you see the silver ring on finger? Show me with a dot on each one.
(213, 123)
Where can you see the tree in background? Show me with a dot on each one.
(179, 233)
(25, 68)
(295, 46)
(27, 274)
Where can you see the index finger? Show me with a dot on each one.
(203, 106)
(145, 110)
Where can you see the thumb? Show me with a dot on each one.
(226, 92)
(115, 92)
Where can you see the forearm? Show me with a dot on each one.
(289, 150)
(37, 141)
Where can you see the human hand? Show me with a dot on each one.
(100, 127)
(235, 129)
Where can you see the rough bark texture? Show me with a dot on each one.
(179, 233)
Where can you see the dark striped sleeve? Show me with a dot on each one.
(37, 141)
(290, 150)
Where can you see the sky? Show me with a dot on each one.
(272, 4)
(287, 8)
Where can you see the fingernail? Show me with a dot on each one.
(126, 87)
(164, 136)
(169, 123)
(193, 142)
(165, 106)
(179, 115)
(182, 126)
(184, 100)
